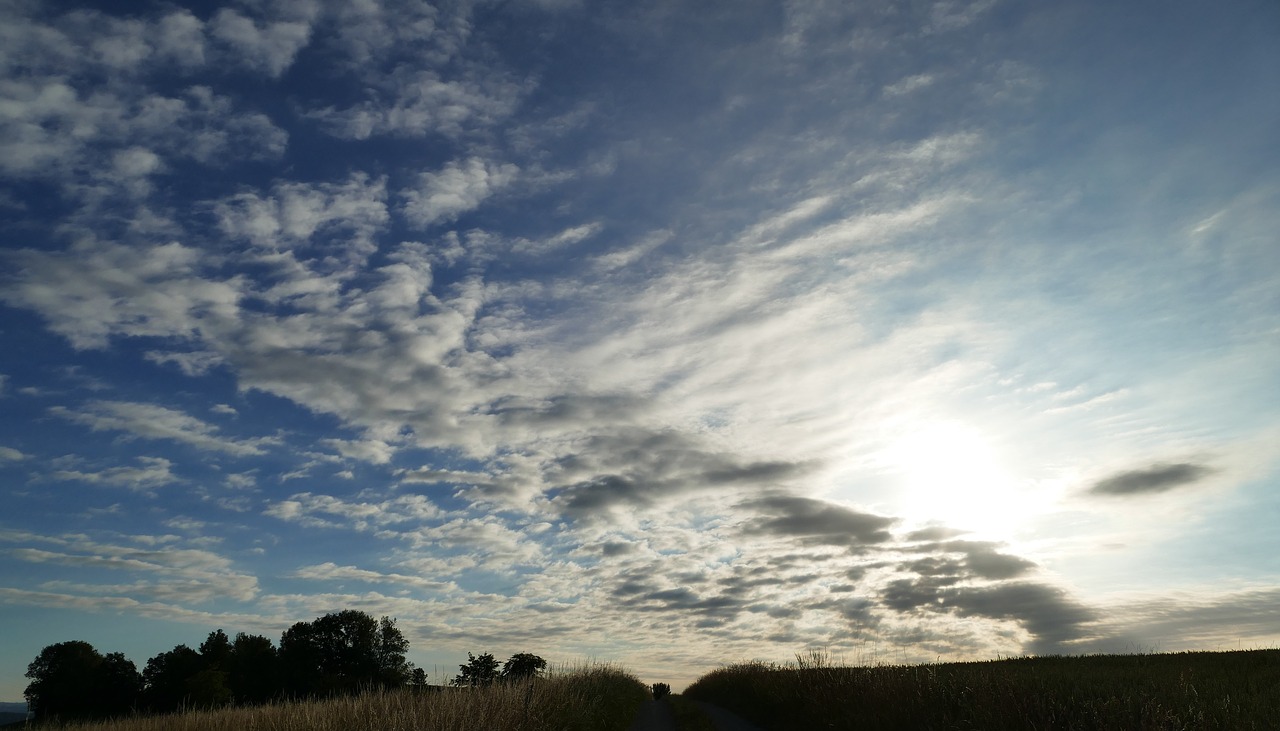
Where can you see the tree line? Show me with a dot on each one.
(340, 653)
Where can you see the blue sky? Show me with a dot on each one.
(673, 334)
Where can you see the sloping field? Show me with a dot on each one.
(1199, 690)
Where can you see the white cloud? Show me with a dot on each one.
(182, 573)
(328, 511)
(154, 472)
(554, 244)
(9, 454)
(296, 213)
(179, 37)
(424, 103)
(94, 290)
(158, 422)
(270, 46)
(457, 189)
(373, 451)
(909, 84)
(330, 571)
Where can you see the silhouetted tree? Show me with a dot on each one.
(482, 670)
(166, 677)
(393, 669)
(343, 652)
(119, 686)
(418, 678)
(254, 669)
(523, 665)
(216, 651)
(73, 680)
(660, 691)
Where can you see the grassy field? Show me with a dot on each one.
(592, 698)
(1200, 690)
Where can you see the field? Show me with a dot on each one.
(1201, 690)
(593, 698)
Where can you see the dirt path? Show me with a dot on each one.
(724, 720)
(655, 716)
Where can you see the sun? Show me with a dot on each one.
(951, 473)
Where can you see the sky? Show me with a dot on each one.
(669, 334)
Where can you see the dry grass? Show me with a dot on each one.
(1173, 692)
(589, 698)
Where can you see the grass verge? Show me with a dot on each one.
(596, 697)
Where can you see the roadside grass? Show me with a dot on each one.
(1196, 690)
(689, 717)
(595, 697)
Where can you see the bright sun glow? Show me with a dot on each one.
(953, 475)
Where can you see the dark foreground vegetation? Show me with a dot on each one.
(1194, 690)
(588, 698)
(344, 653)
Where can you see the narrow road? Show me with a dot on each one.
(724, 720)
(656, 716)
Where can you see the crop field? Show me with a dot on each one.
(590, 698)
(1198, 690)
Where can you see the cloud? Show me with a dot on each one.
(150, 421)
(1157, 478)
(818, 522)
(93, 290)
(1192, 619)
(197, 574)
(422, 102)
(1052, 618)
(373, 451)
(330, 571)
(327, 511)
(457, 189)
(122, 133)
(9, 454)
(639, 467)
(270, 46)
(154, 472)
(295, 213)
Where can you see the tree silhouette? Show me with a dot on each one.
(482, 670)
(254, 669)
(166, 676)
(73, 680)
(343, 652)
(523, 665)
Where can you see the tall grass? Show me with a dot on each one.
(597, 697)
(1230, 690)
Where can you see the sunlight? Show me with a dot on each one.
(952, 474)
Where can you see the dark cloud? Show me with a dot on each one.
(1046, 612)
(990, 564)
(818, 521)
(1154, 479)
(569, 410)
(934, 533)
(975, 559)
(635, 467)
(684, 599)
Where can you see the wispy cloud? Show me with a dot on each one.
(150, 421)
